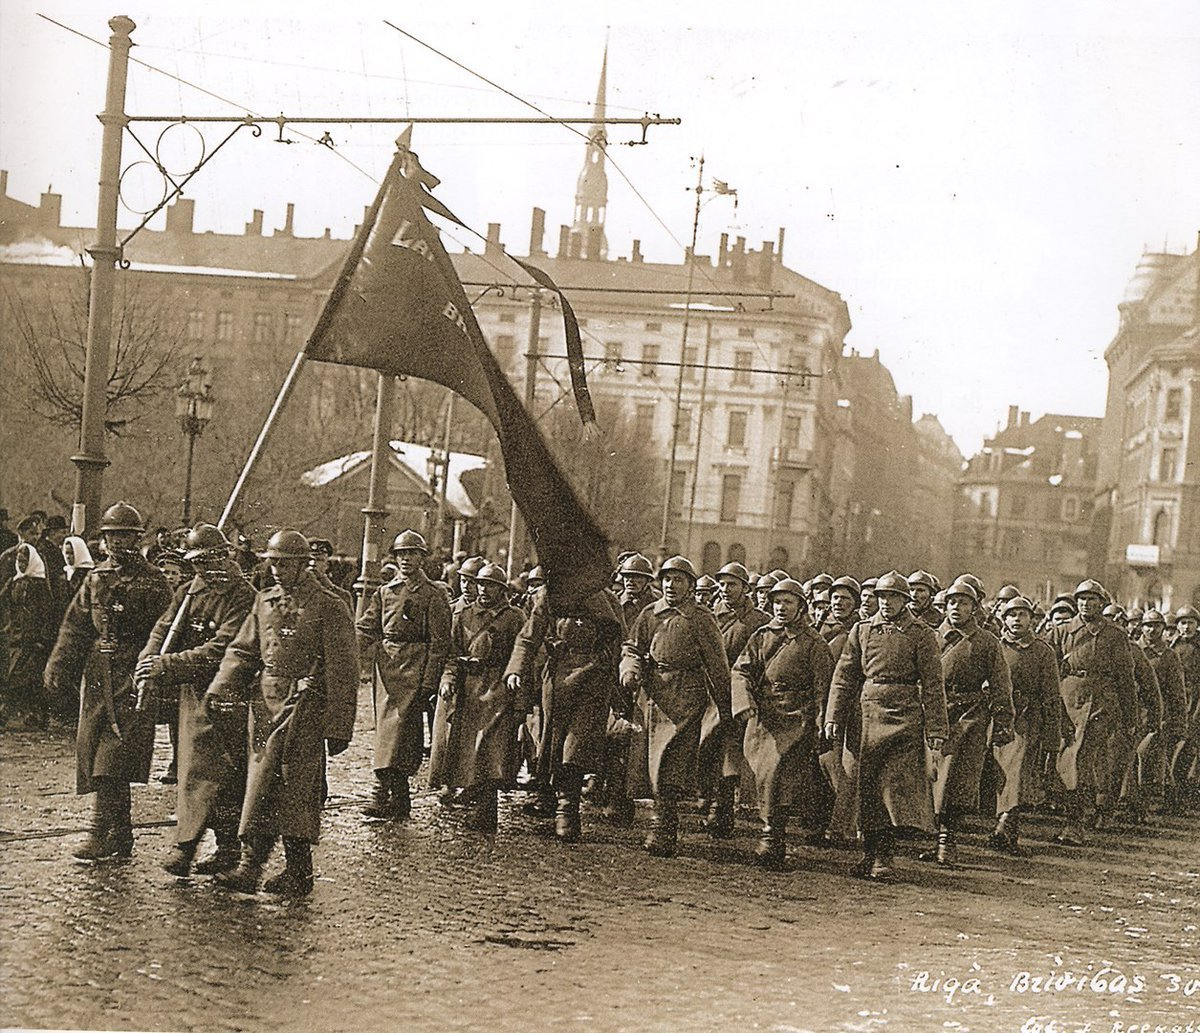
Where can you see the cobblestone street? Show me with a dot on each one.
(421, 926)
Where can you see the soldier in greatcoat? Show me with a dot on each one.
(212, 744)
(923, 585)
(1155, 760)
(479, 752)
(1186, 766)
(980, 709)
(1125, 787)
(674, 653)
(406, 626)
(780, 682)
(581, 648)
(294, 662)
(1037, 704)
(1100, 698)
(720, 761)
(105, 627)
(891, 664)
(29, 620)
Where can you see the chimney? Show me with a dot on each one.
(1014, 414)
(537, 233)
(636, 256)
(595, 238)
(723, 250)
(327, 235)
(3, 182)
(254, 226)
(564, 241)
(779, 247)
(575, 246)
(767, 262)
(50, 209)
(737, 260)
(181, 216)
(493, 247)
(289, 222)
(1024, 420)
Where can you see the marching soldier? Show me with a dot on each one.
(922, 585)
(980, 709)
(868, 606)
(294, 661)
(1101, 699)
(706, 591)
(891, 665)
(1187, 648)
(1037, 704)
(1062, 611)
(675, 654)
(1156, 759)
(721, 743)
(582, 647)
(322, 553)
(212, 745)
(407, 627)
(834, 762)
(762, 590)
(780, 681)
(105, 627)
(480, 752)
(468, 588)
(1130, 744)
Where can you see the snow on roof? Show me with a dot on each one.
(1028, 451)
(44, 253)
(410, 457)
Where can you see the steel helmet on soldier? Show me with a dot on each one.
(975, 583)
(471, 566)
(819, 580)
(734, 570)
(766, 581)
(922, 577)
(286, 545)
(1007, 592)
(1017, 602)
(1090, 587)
(636, 563)
(1063, 602)
(536, 574)
(1112, 611)
(121, 516)
(681, 564)
(409, 540)
(788, 585)
(1187, 612)
(204, 538)
(1153, 617)
(962, 586)
(779, 574)
(895, 582)
(869, 584)
(849, 584)
(706, 583)
(494, 573)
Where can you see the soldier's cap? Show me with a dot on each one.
(962, 587)
(1170, 620)
(1187, 613)
(788, 586)
(1017, 602)
(736, 571)
(848, 583)
(1090, 586)
(895, 583)
(922, 577)
(939, 598)
(1135, 614)
(1153, 617)
(410, 541)
(819, 593)
(203, 539)
(321, 546)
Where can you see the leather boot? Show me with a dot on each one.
(861, 869)
(882, 861)
(296, 880)
(1072, 832)
(99, 843)
(377, 806)
(122, 830)
(179, 861)
(664, 824)
(1004, 838)
(943, 851)
(719, 822)
(483, 815)
(771, 851)
(400, 806)
(225, 857)
(244, 878)
(566, 815)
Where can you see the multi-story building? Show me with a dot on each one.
(1149, 485)
(1024, 506)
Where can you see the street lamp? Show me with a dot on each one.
(193, 406)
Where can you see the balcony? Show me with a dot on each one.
(788, 457)
(1147, 556)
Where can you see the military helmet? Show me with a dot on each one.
(788, 584)
(734, 570)
(1113, 611)
(1170, 620)
(636, 563)
(681, 564)
(922, 577)
(975, 583)
(204, 538)
(410, 539)
(1135, 614)
(849, 584)
(1185, 612)
(962, 586)
(121, 516)
(895, 582)
(939, 598)
(1007, 592)
(822, 579)
(1017, 602)
(1090, 586)
(869, 584)
(536, 574)
(494, 573)
(1063, 602)
(766, 581)
(471, 566)
(706, 583)
(779, 573)
(286, 545)
(1153, 617)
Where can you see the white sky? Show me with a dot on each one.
(978, 180)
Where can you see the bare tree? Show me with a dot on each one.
(51, 326)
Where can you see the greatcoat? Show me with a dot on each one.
(1037, 706)
(720, 742)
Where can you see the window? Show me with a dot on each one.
(508, 317)
(1174, 404)
(746, 331)
(737, 430)
(506, 350)
(784, 496)
(654, 327)
(264, 328)
(195, 326)
(710, 558)
(797, 363)
(685, 425)
(643, 420)
(612, 355)
(778, 560)
(793, 423)
(731, 497)
(650, 353)
(224, 326)
(741, 372)
(737, 553)
(292, 329)
(1070, 508)
(689, 363)
(1162, 528)
(1167, 461)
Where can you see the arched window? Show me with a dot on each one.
(778, 559)
(737, 553)
(1162, 527)
(710, 558)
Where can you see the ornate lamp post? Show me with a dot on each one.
(193, 406)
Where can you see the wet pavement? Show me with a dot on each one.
(421, 926)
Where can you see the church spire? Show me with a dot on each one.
(591, 190)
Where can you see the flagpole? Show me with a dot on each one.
(516, 525)
(376, 509)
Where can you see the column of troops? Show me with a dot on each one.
(849, 711)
